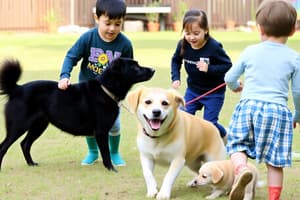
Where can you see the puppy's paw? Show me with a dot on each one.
(215, 194)
(152, 192)
(210, 197)
(163, 196)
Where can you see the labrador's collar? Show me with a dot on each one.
(151, 136)
(111, 95)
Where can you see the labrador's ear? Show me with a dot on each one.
(217, 175)
(133, 98)
(177, 97)
(180, 101)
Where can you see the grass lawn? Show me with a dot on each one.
(60, 175)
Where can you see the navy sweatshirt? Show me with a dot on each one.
(198, 81)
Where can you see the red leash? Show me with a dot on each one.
(205, 94)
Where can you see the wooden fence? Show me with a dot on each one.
(34, 15)
(37, 14)
(219, 12)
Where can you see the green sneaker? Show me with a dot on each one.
(92, 155)
(115, 156)
(117, 159)
(90, 159)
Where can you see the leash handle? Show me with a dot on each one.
(205, 94)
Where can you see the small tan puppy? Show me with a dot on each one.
(171, 137)
(220, 176)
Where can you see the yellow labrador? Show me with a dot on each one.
(167, 135)
(220, 176)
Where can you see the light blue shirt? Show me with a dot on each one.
(269, 70)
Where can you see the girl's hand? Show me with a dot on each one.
(202, 66)
(64, 83)
(240, 88)
(176, 84)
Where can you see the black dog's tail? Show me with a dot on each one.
(10, 73)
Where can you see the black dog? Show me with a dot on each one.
(87, 108)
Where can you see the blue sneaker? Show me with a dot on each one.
(90, 159)
(117, 160)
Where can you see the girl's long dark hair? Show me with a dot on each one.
(191, 16)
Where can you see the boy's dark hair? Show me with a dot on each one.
(276, 17)
(114, 9)
(191, 16)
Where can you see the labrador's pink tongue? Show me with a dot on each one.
(155, 124)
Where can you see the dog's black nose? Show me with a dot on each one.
(156, 112)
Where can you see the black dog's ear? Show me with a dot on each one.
(116, 63)
(121, 63)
